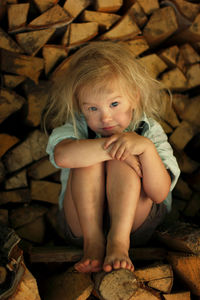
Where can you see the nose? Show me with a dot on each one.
(105, 116)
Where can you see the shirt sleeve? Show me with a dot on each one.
(157, 135)
(63, 132)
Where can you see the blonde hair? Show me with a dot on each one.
(93, 66)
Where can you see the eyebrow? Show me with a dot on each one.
(91, 104)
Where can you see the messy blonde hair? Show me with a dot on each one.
(94, 66)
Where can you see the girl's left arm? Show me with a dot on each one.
(155, 178)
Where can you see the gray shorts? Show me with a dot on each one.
(138, 238)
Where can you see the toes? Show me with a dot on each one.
(107, 268)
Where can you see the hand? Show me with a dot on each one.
(121, 145)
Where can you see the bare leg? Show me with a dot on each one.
(123, 193)
(83, 205)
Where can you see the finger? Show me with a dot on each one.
(125, 155)
(120, 152)
(114, 150)
(110, 140)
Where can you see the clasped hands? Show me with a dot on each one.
(127, 147)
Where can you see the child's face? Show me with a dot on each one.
(107, 112)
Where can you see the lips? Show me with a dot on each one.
(108, 128)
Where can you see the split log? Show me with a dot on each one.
(188, 9)
(8, 43)
(125, 29)
(32, 42)
(104, 20)
(32, 149)
(175, 80)
(187, 268)
(41, 169)
(10, 103)
(11, 81)
(7, 141)
(182, 135)
(161, 25)
(149, 6)
(181, 236)
(178, 296)
(108, 6)
(36, 100)
(157, 276)
(45, 4)
(17, 16)
(137, 46)
(82, 32)
(46, 191)
(54, 17)
(4, 217)
(17, 181)
(16, 196)
(154, 64)
(53, 54)
(15, 63)
(74, 8)
(118, 284)
(69, 285)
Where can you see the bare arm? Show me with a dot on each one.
(155, 177)
(80, 153)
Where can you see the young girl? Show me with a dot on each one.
(117, 168)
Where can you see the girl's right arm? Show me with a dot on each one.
(71, 153)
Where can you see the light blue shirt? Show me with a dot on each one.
(150, 129)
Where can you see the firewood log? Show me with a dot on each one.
(108, 6)
(74, 8)
(15, 63)
(187, 268)
(177, 296)
(117, 284)
(7, 141)
(8, 43)
(17, 16)
(10, 103)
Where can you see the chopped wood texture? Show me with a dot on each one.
(41, 169)
(53, 54)
(181, 236)
(82, 32)
(45, 191)
(74, 8)
(10, 103)
(177, 296)
(160, 26)
(117, 284)
(153, 64)
(54, 17)
(28, 66)
(8, 43)
(8, 142)
(125, 29)
(32, 42)
(45, 4)
(149, 6)
(188, 269)
(69, 285)
(18, 180)
(12, 81)
(108, 6)
(17, 16)
(104, 20)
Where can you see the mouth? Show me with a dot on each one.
(108, 128)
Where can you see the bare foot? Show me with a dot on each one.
(117, 256)
(93, 257)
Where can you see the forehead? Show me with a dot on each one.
(104, 88)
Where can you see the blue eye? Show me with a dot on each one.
(114, 103)
(92, 108)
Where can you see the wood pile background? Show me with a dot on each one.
(37, 39)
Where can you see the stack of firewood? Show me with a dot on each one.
(37, 39)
